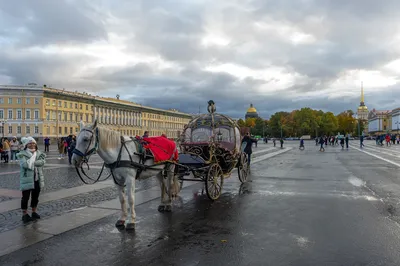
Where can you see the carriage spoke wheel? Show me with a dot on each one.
(243, 168)
(214, 181)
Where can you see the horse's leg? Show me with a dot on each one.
(130, 188)
(170, 184)
(161, 207)
(124, 210)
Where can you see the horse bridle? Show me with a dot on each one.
(85, 156)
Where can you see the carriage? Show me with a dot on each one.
(210, 149)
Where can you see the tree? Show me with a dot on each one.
(250, 122)
(260, 127)
(329, 123)
(277, 121)
(346, 122)
(241, 123)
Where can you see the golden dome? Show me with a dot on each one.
(251, 109)
(363, 107)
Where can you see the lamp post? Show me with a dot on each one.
(2, 125)
(358, 130)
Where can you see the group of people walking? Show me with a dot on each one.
(388, 138)
(335, 140)
(9, 150)
(66, 145)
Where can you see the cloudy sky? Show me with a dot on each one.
(278, 55)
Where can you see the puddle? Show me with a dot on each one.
(357, 182)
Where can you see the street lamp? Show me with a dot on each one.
(2, 125)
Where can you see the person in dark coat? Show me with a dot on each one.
(249, 143)
(71, 148)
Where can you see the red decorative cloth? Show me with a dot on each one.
(162, 148)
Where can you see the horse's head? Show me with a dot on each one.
(86, 143)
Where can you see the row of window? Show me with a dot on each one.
(156, 124)
(28, 114)
(19, 130)
(169, 118)
(71, 105)
(19, 100)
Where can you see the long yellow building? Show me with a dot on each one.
(41, 111)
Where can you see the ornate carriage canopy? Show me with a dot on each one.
(213, 128)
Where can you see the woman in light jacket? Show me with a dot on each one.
(31, 177)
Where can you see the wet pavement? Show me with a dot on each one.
(300, 208)
(60, 176)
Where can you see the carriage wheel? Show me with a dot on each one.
(214, 181)
(243, 168)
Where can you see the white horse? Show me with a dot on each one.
(113, 147)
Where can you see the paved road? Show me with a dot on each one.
(61, 176)
(301, 208)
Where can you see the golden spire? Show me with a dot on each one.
(362, 94)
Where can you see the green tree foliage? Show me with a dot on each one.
(241, 123)
(305, 121)
(250, 122)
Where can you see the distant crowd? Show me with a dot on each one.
(388, 138)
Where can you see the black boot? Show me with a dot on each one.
(26, 218)
(35, 216)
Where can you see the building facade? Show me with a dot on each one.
(395, 120)
(40, 111)
(379, 122)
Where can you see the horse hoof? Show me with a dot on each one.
(161, 208)
(130, 227)
(120, 223)
(168, 208)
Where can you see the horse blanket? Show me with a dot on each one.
(162, 148)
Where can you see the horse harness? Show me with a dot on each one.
(143, 154)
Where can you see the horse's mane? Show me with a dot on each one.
(109, 138)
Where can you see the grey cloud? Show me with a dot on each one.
(45, 22)
(349, 35)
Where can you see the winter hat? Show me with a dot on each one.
(27, 140)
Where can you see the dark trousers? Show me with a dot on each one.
(248, 158)
(46, 147)
(5, 156)
(347, 144)
(35, 197)
(70, 156)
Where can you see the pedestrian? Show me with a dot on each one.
(347, 141)
(274, 141)
(281, 141)
(146, 134)
(388, 140)
(71, 148)
(321, 142)
(361, 141)
(342, 142)
(14, 145)
(31, 177)
(60, 146)
(46, 144)
(398, 139)
(248, 148)
(301, 144)
(6, 149)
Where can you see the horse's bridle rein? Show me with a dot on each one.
(118, 163)
(85, 156)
